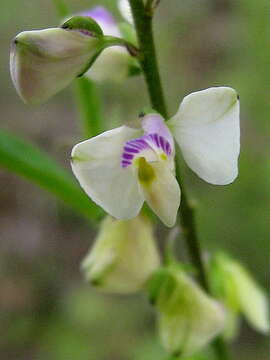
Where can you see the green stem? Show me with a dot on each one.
(143, 24)
(187, 220)
(89, 106)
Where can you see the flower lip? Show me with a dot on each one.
(152, 142)
(155, 144)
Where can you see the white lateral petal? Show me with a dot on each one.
(97, 165)
(253, 300)
(162, 192)
(207, 129)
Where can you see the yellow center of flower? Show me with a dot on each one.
(146, 173)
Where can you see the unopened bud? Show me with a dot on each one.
(188, 318)
(43, 62)
(123, 256)
(235, 286)
(115, 63)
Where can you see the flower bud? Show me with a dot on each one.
(234, 285)
(43, 62)
(115, 63)
(123, 256)
(188, 317)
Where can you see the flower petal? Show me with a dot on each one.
(155, 124)
(125, 10)
(112, 65)
(160, 189)
(252, 299)
(206, 127)
(97, 165)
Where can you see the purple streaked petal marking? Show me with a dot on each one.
(156, 138)
(131, 150)
(134, 146)
(125, 163)
(141, 141)
(153, 142)
(127, 156)
(155, 124)
(162, 142)
(168, 149)
(159, 142)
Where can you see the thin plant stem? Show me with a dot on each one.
(89, 107)
(143, 25)
(148, 59)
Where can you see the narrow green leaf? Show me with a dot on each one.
(25, 159)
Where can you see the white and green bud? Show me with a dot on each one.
(234, 285)
(115, 64)
(188, 318)
(123, 257)
(43, 62)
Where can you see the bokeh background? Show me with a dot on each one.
(47, 312)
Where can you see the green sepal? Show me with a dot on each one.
(160, 286)
(83, 23)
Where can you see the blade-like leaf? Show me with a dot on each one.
(25, 159)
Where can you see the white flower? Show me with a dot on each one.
(121, 168)
(123, 257)
(235, 286)
(188, 318)
(43, 62)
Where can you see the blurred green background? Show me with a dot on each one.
(46, 310)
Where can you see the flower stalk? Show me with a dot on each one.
(148, 59)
